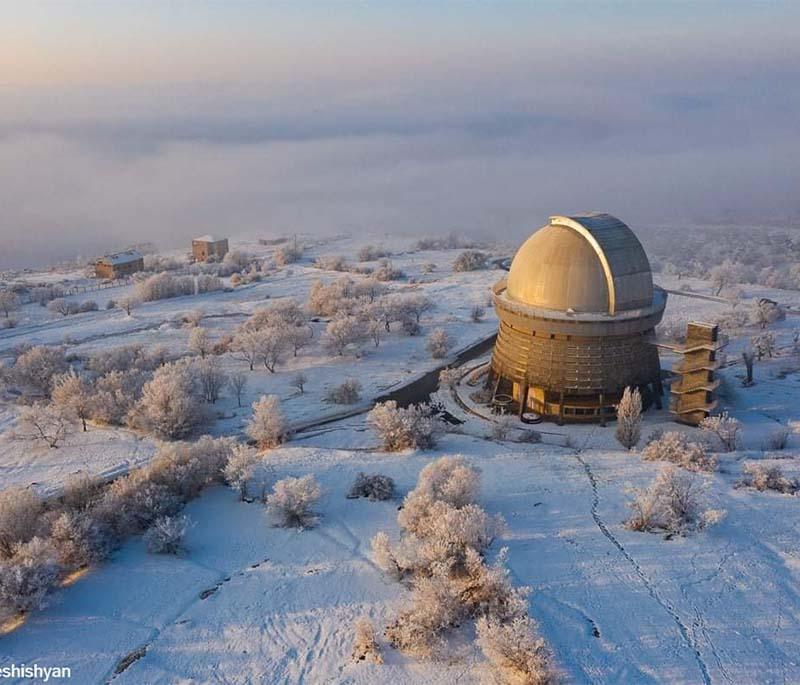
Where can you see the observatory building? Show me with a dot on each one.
(577, 313)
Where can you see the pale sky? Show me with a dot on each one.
(124, 121)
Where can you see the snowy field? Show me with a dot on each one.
(252, 603)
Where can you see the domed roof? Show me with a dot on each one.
(586, 263)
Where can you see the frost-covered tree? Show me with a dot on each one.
(35, 369)
(48, 424)
(477, 313)
(725, 275)
(268, 424)
(166, 535)
(63, 307)
(725, 428)
(343, 332)
(439, 343)
(676, 447)
(299, 381)
(764, 312)
(291, 499)
(246, 346)
(240, 468)
(169, 406)
(763, 344)
(75, 394)
(19, 513)
(79, 540)
(211, 378)
(399, 428)
(127, 304)
(199, 342)
(29, 576)
(365, 645)
(629, 418)
(237, 383)
(298, 337)
(9, 302)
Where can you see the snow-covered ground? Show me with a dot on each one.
(250, 603)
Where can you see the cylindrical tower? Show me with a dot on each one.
(577, 314)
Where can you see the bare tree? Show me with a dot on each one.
(44, 423)
(299, 381)
(237, 383)
(477, 313)
(763, 344)
(127, 304)
(212, 378)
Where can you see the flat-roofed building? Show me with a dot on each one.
(209, 247)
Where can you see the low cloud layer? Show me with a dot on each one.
(435, 147)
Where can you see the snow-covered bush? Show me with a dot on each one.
(369, 253)
(79, 539)
(19, 514)
(75, 395)
(450, 479)
(725, 429)
(386, 272)
(470, 260)
(673, 503)
(186, 468)
(763, 345)
(764, 312)
(45, 423)
(80, 491)
(288, 254)
(334, 298)
(777, 439)
(448, 378)
(9, 302)
(247, 346)
(477, 313)
(342, 332)
(35, 369)
(166, 535)
(28, 576)
(764, 477)
(501, 427)
(331, 263)
(291, 499)
(130, 504)
(365, 646)
(127, 304)
(115, 395)
(299, 381)
(63, 307)
(439, 343)
(629, 418)
(121, 358)
(240, 468)
(268, 424)
(169, 406)
(162, 286)
(517, 655)
(374, 487)
(399, 428)
(348, 392)
(675, 447)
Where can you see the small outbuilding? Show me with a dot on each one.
(209, 247)
(119, 264)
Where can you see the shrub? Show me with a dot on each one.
(27, 578)
(514, 650)
(166, 535)
(470, 260)
(127, 304)
(131, 504)
(629, 418)
(477, 313)
(199, 342)
(63, 307)
(778, 439)
(369, 253)
(211, 378)
(374, 487)
(19, 514)
(675, 447)
(291, 499)
(79, 539)
(81, 491)
(36, 368)
(386, 272)
(88, 306)
(673, 503)
(288, 254)
(331, 263)
(365, 646)
(162, 286)
(724, 428)
(448, 378)
(299, 381)
(501, 427)
(763, 477)
(342, 332)
(348, 392)
(268, 424)
(439, 343)
(412, 427)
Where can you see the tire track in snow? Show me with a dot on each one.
(651, 590)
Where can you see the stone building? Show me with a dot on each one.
(577, 316)
(119, 265)
(209, 247)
